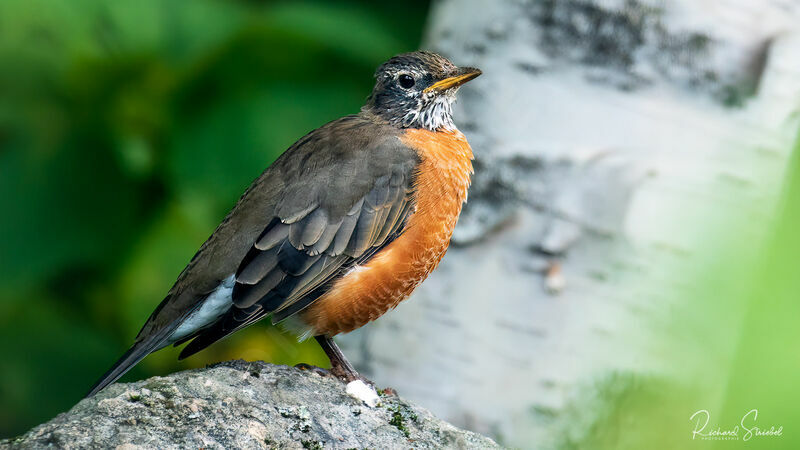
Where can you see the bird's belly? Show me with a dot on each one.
(368, 291)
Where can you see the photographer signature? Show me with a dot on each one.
(747, 425)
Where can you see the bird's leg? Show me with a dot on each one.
(340, 366)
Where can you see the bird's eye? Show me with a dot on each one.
(406, 81)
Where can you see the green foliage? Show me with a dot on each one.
(729, 346)
(766, 366)
(623, 410)
(127, 131)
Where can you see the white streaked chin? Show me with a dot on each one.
(435, 115)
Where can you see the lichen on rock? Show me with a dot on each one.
(241, 404)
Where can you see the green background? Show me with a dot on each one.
(127, 131)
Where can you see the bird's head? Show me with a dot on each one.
(417, 90)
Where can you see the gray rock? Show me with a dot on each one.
(240, 404)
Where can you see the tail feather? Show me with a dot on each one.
(221, 329)
(126, 363)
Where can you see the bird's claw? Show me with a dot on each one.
(314, 369)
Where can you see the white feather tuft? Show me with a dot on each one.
(214, 306)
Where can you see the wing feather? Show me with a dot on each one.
(314, 225)
(250, 294)
(257, 267)
(272, 236)
(320, 229)
(345, 233)
(326, 239)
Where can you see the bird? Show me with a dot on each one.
(337, 231)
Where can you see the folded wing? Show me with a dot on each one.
(322, 226)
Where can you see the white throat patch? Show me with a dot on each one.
(435, 114)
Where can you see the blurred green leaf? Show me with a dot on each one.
(47, 363)
(127, 131)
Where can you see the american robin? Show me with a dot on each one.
(337, 231)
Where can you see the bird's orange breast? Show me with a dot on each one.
(367, 292)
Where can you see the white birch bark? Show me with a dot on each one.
(611, 137)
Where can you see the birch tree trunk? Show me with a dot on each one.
(611, 137)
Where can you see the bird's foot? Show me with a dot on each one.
(314, 369)
(358, 386)
(338, 372)
(348, 375)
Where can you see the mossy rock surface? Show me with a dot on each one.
(241, 404)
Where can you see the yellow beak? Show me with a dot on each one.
(467, 73)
